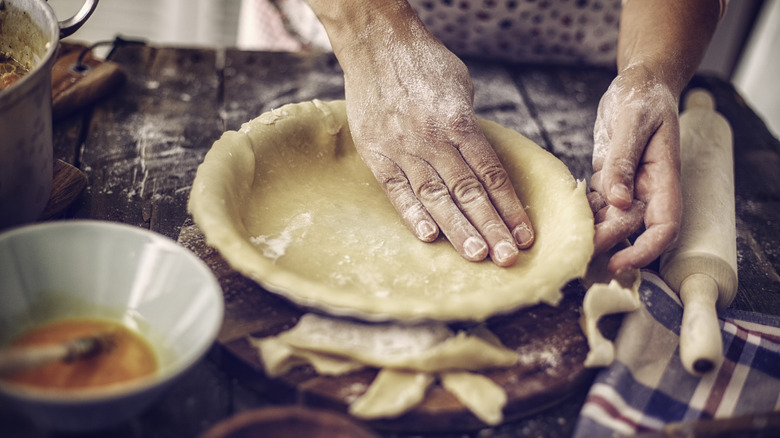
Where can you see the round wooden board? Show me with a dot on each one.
(549, 340)
(288, 421)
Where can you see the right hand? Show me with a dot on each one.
(636, 168)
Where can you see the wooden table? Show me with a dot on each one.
(140, 148)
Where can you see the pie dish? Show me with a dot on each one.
(288, 202)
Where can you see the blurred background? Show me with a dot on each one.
(745, 48)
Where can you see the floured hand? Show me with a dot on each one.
(636, 168)
(410, 110)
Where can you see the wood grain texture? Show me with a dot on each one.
(67, 184)
(257, 82)
(144, 143)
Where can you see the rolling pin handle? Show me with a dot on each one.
(701, 343)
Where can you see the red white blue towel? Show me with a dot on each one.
(646, 387)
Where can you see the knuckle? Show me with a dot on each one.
(468, 190)
(495, 177)
(623, 167)
(393, 185)
(453, 116)
(460, 119)
(493, 226)
(433, 192)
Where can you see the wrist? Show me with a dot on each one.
(367, 27)
(649, 72)
(667, 37)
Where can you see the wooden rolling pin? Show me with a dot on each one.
(702, 266)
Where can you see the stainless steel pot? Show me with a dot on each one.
(29, 33)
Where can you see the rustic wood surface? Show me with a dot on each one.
(140, 147)
(549, 340)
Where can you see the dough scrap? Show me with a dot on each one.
(278, 358)
(482, 396)
(288, 202)
(409, 358)
(376, 343)
(424, 348)
(392, 393)
(606, 294)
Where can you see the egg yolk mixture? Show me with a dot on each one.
(129, 357)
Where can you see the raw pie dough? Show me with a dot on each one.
(410, 359)
(288, 202)
(606, 294)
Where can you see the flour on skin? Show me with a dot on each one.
(276, 246)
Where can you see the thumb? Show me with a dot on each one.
(620, 166)
(618, 182)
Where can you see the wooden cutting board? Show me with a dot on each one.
(67, 184)
(549, 340)
(76, 85)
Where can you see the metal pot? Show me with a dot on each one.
(29, 33)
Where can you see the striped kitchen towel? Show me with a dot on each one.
(646, 386)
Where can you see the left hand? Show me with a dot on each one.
(411, 115)
(636, 168)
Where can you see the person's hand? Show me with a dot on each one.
(636, 168)
(410, 110)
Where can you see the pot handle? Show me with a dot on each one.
(72, 24)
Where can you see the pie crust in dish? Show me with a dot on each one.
(288, 202)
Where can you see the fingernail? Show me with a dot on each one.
(523, 235)
(426, 231)
(621, 192)
(475, 248)
(504, 250)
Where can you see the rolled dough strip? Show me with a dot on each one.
(392, 393)
(483, 397)
(278, 357)
(606, 294)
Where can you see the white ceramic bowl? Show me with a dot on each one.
(107, 270)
